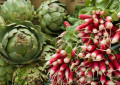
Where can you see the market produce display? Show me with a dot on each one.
(48, 44)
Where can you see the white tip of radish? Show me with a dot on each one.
(53, 56)
(81, 55)
(108, 25)
(48, 63)
(51, 72)
(93, 83)
(82, 79)
(63, 52)
(88, 55)
(70, 81)
(95, 30)
(96, 20)
(108, 18)
(114, 40)
(93, 55)
(108, 51)
(93, 12)
(66, 60)
(102, 12)
(118, 15)
(101, 27)
(55, 63)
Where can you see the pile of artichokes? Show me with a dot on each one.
(24, 46)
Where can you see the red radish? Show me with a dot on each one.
(96, 22)
(102, 66)
(86, 38)
(90, 41)
(101, 21)
(105, 33)
(96, 36)
(89, 27)
(106, 62)
(99, 33)
(74, 51)
(67, 24)
(114, 29)
(108, 18)
(84, 16)
(82, 73)
(115, 62)
(85, 63)
(55, 63)
(117, 73)
(117, 56)
(81, 34)
(58, 50)
(108, 25)
(96, 42)
(102, 79)
(116, 37)
(62, 34)
(91, 47)
(93, 12)
(71, 77)
(61, 72)
(56, 56)
(108, 51)
(94, 30)
(118, 15)
(77, 62)
(99, 57)
(63, 53)
(88, 55)
(109, 83)
(67, 60)
(110, 67)
(103, 45)
(81, 55)
(94, 16)
(95, 53)
(50, 61)
(118, 82)
(53, 69)
(59, 41)
(82, 80)
(67, 73)
(60, 61)
(82, 69)
(88, 20)
(109, 75)
(84, 48)
(63, 67)
(101, 27)
(78, 28)
(102, 12)
(89, 74)
(94, 83)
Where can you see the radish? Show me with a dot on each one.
(94, 30)
(96, 22)
(102, 12)
(60, 61)
(101, 21)
(108, 18)
(82, 80)
(101, 27)
(105, 33)
(53, 69)
(77, 62)
(118, 82)
(103, 45)
(109, 75)
(78, 28)
(99, 33)
(81, 73)
(99, 57)
(95, 53)
(108, 51)
(58, 51)
(90, 41)
(84, 48)
(102, 66)
(81, 55)
(50, 61)
(97, 12)
(85, 63)
(89, 74)
(117, 56)
(61, 72)
(55, 63)
(63, 53)
(109, 83)
(67, 73)
(96, 42)
(117, 73)
(115, 62)
(74, 51)
(115, 29)
(106, 62)
(84, 16)
(63, 67)
(88, 21)
(118, 15)
(81, 34)
(102, 79)
(93, 11)
(108, 25)
(56, 56)
(116, 37)
(94, 16)
(91, 47)
(94, 83)
(67, 60)
(71, 77)
(110, 67)
(89, 27)
(62, 34)
(96, 36)
(67, 24)
(88, 55)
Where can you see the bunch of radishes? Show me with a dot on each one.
(94, 62)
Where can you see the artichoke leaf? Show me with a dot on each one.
(2, 71)
(47, 18)
(2, 62)
(12, 32)
(55, 16)
(5, 40)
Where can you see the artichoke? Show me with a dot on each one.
(21, 42)
(6, 71)
(33, 74)
(2, 22)
(17, 9)
(51, 16)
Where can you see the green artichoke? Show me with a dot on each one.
(33, 74)
(17, 9)
(21, 42)
(51, 16)
(6, 72)
(2, 22)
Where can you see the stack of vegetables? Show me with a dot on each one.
(88, 53)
